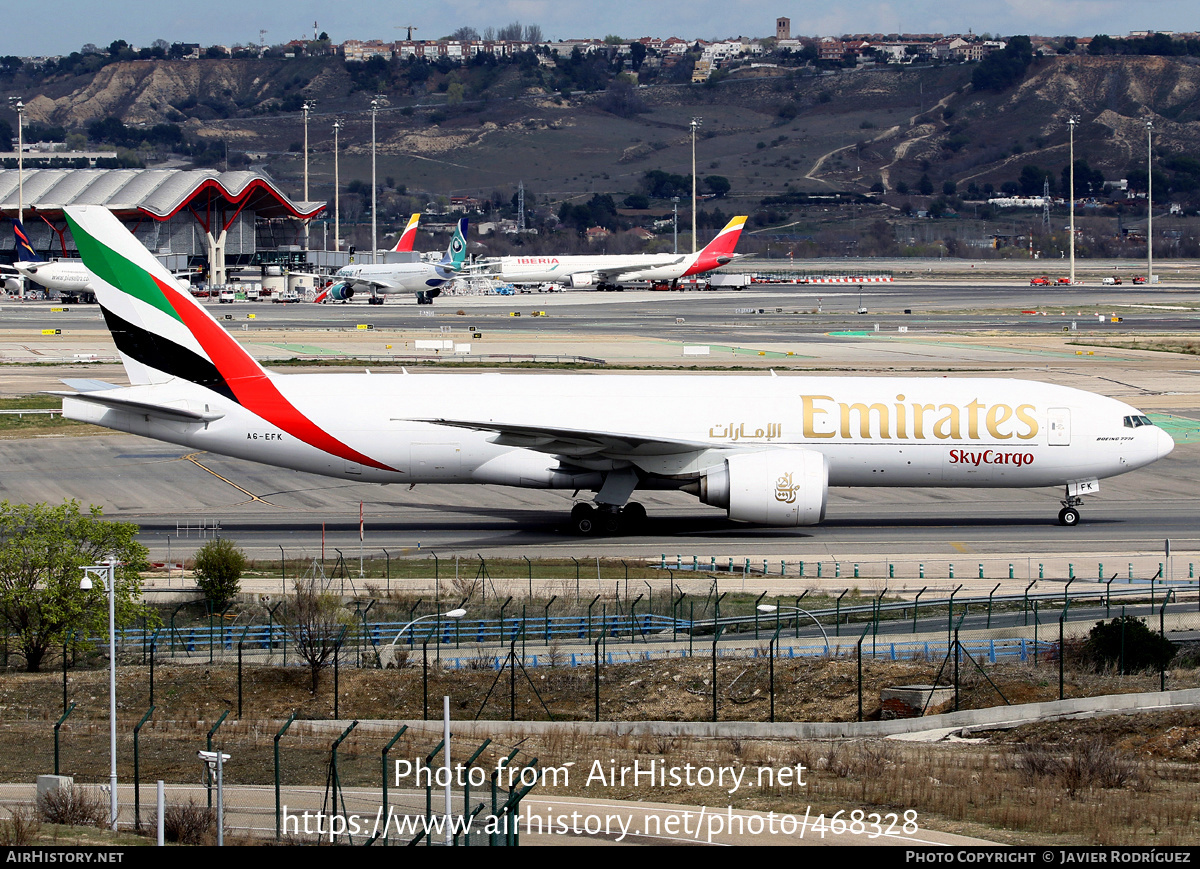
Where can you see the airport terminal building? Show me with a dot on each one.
(187, 217)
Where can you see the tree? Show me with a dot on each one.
(718, 185)
(511, 32)
(218, 566)
(637, 55)
(43, 550)
(316, 621)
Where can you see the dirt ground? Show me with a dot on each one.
(1113, 780)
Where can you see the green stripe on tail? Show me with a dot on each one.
(114, 269)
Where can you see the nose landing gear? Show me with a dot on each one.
(1069, 515)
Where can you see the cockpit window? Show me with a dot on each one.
(1137, 421)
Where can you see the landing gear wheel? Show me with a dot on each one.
(634, 515)
(583, 519)
(610, 522)
(1068, 516)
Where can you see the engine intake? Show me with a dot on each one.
(341, 292)
(771, 487)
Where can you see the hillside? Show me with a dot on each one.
(774, 133)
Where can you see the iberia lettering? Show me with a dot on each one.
(989, 457)
(910, 420)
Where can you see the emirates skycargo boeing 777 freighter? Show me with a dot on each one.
(764, 448)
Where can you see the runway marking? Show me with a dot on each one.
(961, 547)
(191, 457)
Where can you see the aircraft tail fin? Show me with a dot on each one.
(160, 330)
(409, 236)
(25, 251)
(719, 251)
(456, 253)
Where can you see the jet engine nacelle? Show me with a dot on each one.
(341, 292)
(583, 279)
(770, 487)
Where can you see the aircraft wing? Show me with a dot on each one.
(610, 274)
(161, 411)
(576, 443)
(378, 284)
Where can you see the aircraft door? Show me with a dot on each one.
(1058, 423)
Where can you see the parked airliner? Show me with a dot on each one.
(764, 448)
(609, 270)
(71, 280)
(425, 280)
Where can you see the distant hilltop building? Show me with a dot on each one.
(783, 28)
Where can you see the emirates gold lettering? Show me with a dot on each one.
(824, 417)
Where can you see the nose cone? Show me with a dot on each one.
(1165, 443)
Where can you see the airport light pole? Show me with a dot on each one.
(455, 614)
(1071, 122)
(106, 572)
(337, 202)
(1149, 202)
(309, 105)
(767, 609)
(375, 103)
(19, 107)
(694, 125)
(676, 224)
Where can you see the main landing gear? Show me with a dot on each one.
(587, 520)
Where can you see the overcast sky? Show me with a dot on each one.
(65, 25)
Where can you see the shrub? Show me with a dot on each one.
(21, 828)
(1128, 644)
(188, 824)
(218, 567)
(73, 807)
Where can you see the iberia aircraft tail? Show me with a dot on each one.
(409, 236)
(163, 335)
(719, 251)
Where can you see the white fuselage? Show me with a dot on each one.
(72, 277)
(602, 268)
(873, 431)
(389, 278)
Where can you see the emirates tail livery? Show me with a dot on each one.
(764, 448)
(605, 271)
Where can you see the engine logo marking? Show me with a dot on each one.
(785, 489)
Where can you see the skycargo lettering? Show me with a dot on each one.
(826, 418)
(989, 457)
